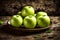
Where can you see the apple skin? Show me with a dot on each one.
(41, 14)
(19, 13)
(43, 21)
(30, 22)
(16, 21)
(27, 10)
(1, 22)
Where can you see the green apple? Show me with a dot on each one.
(16, 21)
(27, 10)
(19, 13)
(34, 15)
(30, 21)
(1, 22)
(43, 21)
(41, 14)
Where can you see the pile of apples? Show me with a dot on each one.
(29, 18)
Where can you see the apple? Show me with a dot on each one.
(27, 10)
(29, 21)
(41, 14)
(19, 13)
(1, 22)
(34, 15)
(16, 21)
(43, 21)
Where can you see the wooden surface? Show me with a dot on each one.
(9, 7)
(54, 35)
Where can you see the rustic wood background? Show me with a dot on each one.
(11, 7)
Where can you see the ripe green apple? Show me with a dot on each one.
(16, 21)
(30, 21)
(41, 14)
(27, 10)
(1, 22)
(19, 13)
(43, 21)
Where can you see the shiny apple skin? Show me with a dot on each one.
(30, 22)
(16, 21)
(43, 21)
(27, 10)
